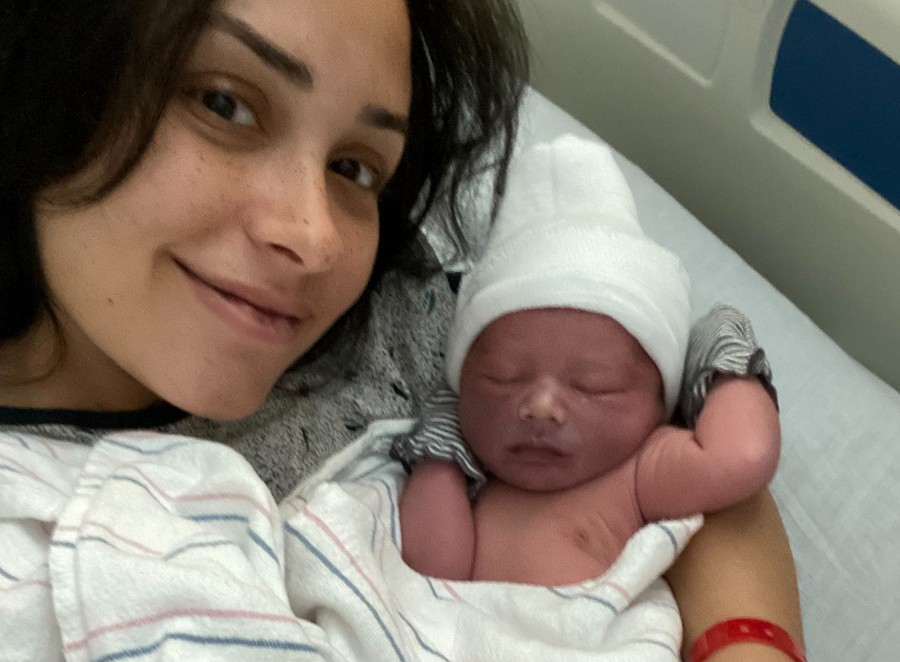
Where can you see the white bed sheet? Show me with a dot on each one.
(838, 484)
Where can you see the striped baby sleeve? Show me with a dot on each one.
(437, 436)
(720, 342)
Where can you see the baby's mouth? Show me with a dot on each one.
(537, 452)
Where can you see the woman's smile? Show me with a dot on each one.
(258, 314)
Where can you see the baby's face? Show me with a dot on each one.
(553, 397)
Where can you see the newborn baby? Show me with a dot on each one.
(567, 353)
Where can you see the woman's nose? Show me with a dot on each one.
(299, 223)
(543, 403)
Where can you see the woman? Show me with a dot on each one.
(198, 195)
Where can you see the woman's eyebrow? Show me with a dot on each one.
(293, 69)
(382, 118)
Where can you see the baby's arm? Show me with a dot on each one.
(436, 521)
(730, 455)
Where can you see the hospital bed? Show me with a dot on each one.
(761, 139)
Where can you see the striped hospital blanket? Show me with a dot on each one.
(151, 547)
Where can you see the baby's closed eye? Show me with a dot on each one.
(598, 386)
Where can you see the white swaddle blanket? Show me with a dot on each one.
(155, 547)
(347, 575)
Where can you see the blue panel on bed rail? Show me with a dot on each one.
(842, 94)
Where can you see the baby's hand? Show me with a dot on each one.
(740, 417)
(739, 427)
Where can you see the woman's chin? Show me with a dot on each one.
(231, 402)
(216, 411)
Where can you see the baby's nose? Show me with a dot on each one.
(543, 402)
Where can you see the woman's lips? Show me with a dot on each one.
(251, 312)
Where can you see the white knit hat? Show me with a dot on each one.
(567, 236)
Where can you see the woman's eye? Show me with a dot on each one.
(356, 172)
(228, 107)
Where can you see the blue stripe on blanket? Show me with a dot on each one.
(421, 642)
(217, 517)
(196, 545)
(8, 576)
(263, 545)
(287, 646)
(228, 517)
(374, 532)
(18, 438)
(585, 596)
(395, 508)
(135, 481)
(368, 472)
(209, 517)
(13, 469)
(430, 583)
(101, 540)
(337, 573)
(144, 451)
(671, 536)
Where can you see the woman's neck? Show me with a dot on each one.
(38, 371)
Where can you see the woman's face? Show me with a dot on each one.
(251, 224)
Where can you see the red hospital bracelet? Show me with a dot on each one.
(748, 630)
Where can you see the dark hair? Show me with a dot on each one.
(80, 80)
(469, 70)
(96, 91)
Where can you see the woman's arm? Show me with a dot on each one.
(738, 565)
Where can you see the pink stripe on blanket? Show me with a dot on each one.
(206, 496)
(618, 587)
(177, 613)
(25, 584)
(589, 588)
(47, 446)
(295, 504)
(28, 472)
(453, 594)
(346, 552)
(114, 534)
(372, 488)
